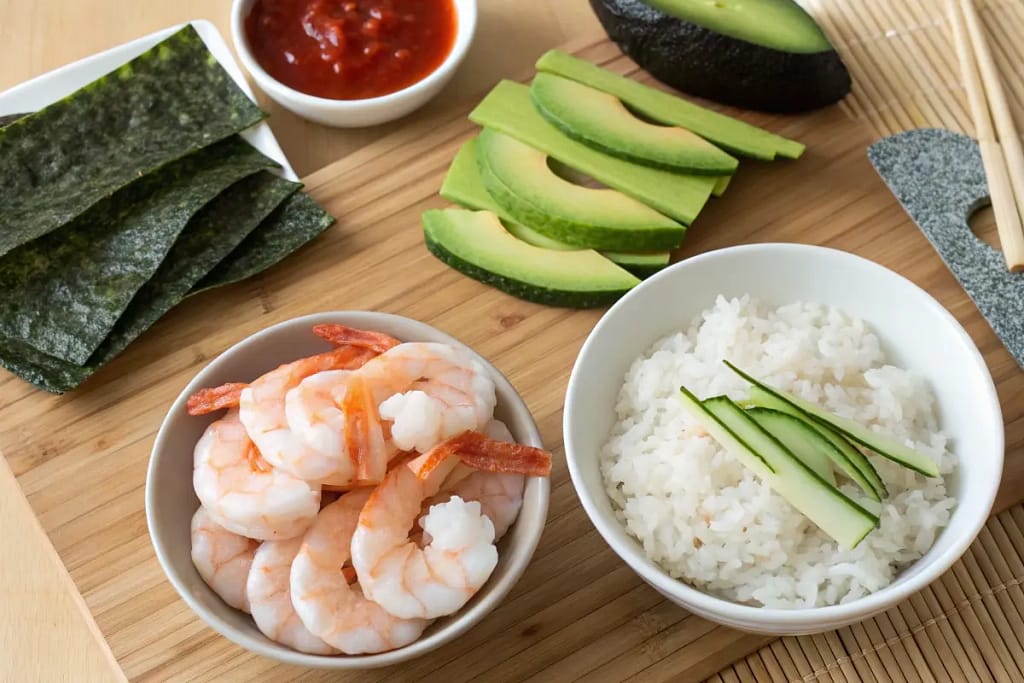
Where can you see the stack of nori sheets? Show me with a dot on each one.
(125, 197)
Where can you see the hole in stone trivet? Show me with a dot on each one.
(983, 224)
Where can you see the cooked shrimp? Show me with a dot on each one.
(339, 613)
(211, 399)
(430, 392)
(262, 411)
(377, 342)
(438, 579)
(243, 492)
(222, 558)
(313, 413)
(500, 495)
(269, 590)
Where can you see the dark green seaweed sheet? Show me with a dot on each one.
(8, 119)
(168, 102)
(297, 221)
(212, 234)
(63, 292)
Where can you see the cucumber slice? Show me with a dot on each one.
(825, 505)
(800, 438)
(885, 446)
(851, 461)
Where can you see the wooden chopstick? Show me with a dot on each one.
(998, 154)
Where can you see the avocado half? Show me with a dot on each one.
(768, 55)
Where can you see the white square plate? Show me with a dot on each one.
(43, 90)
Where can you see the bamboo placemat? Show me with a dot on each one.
(969, 625)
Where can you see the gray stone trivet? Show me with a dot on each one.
(938, 177)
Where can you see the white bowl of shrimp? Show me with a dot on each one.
(363, 488)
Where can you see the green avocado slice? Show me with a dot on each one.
(721, 185)
(508, 109)
(731, 134)
(463, 185)
(601, 121)
(476, 244)
(518, 177)
(779, 24)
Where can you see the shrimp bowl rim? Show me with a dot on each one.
(171, 500)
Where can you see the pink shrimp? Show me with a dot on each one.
(335, 611)
(437, 579)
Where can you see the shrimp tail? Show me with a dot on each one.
(344, 335)
(211, 399)
(481, 453)
(477, 451)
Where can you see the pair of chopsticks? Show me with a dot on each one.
(1001, 151)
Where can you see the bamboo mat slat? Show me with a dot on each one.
(969, 625)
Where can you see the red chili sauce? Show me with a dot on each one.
(350, 49)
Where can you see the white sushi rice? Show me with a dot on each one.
(709, 521)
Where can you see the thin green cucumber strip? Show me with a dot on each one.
(800, 438)
(884, 446)
(852, 462)
(731, 134)
(508, 109)
(829, 508)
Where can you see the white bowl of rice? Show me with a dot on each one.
(833, 328)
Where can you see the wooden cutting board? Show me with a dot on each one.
(578, 611)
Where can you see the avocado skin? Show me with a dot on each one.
(522, 290)
(708, 64)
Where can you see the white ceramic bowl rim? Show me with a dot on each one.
(736, 612)
(489, 597)
(465, 17)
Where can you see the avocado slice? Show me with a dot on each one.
(518, 177)
(833, 511)
(883, 445)
(508, 109)
(728, 133)
(721, 185)
(756, 54)
(601, 121)
(476, 244)
(463, 185)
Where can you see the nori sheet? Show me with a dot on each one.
(169, 102)
(297, 221)
(212, 234)
(8, 119)
(63, 292)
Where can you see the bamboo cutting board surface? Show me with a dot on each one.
(578, 611)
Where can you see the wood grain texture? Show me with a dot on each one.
(578, 611)
(39, 598)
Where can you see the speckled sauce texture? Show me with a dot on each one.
(212, 234)
(938, 177)
(298, 220)
(170, 101)
(62, 293)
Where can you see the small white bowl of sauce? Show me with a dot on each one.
(352, 63)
